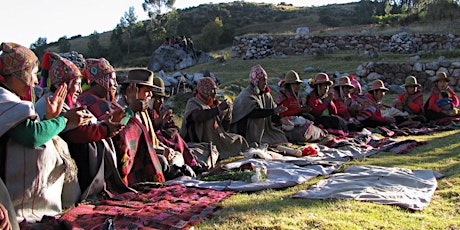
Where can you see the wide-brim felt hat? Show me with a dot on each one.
(441, 76)
(140, 77)
(322, 78)
(344, 81)
(378, 85)
(159, 87)
(411, 81)
(291, 77)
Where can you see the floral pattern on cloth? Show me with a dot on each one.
(170, 207)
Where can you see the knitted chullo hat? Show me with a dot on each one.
(17, 60)
(98, 70)
(58, 69)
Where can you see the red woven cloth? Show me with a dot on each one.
(168, 207)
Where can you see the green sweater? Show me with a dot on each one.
(34, 134)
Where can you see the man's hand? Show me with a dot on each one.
(118, 115)
(280, 109)
(114, 127)
(77, 116)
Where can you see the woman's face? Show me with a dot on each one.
(323, 88)
(378, 94)
(442, 85)
(346, 90)
(295, 87)
(157, 102)
(411, 89)
(75, 89)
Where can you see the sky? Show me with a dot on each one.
(26, 21)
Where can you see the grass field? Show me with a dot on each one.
(275, 209)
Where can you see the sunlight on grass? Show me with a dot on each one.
(275, 209)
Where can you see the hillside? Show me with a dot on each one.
(239, 18)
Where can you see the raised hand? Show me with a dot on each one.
(223, 105)
(54, 105)
(137, 105)
(131, 94)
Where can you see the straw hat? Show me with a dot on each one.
(291, 77)
(378, 85)
(322, 78)
(441, 76)
(140, 77)
(411, 81)
(344, 81)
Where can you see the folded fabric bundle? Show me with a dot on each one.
(411, 189)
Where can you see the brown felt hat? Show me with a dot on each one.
(139, 76)
(159, 87)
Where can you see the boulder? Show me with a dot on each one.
(169, 59)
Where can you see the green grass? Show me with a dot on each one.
(275, 209)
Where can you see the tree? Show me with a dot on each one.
(64, 44)
(39, 47)
(155, 7)
(94, 46)
(116, 42)
(127, 24)
(210, 34)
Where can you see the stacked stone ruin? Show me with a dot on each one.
(260, 46)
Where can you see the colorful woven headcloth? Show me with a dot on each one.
(60, 70)
(205, 85)
(98, 70)
(256, 73)
(18, 61)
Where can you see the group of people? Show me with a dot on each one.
(77, 144)
(180, 42)
(348, 109)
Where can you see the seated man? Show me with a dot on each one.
(205, 120)
(254, 111)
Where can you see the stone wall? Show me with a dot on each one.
(250, 47)
(396, 73)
